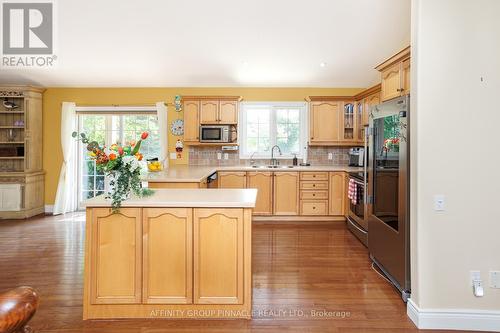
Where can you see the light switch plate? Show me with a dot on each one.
(219, 156)
(173, 156)
(494, 279)
(474, 275)
(330, 156)
(226, 156)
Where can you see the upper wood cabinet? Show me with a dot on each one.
(395, 75)
(333, 121)
(324, 122)
(263, 182)
(167, 255)
(218, 256)
(369, 102)
(228, 112)
(191, 120)
(229, 179)
(286, 193)
(219, 111)
(209, 113)
(115, 244)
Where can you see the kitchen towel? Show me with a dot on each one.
(352, 192)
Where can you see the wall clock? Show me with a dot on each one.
(177, 127)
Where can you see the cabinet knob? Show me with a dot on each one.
(314, 207)
(314, 194)
(314, 185)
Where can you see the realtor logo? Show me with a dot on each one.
(27, 29)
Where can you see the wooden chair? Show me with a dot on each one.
(17, 307)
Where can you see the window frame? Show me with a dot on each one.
(273, 106)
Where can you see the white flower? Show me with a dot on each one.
(131, 162)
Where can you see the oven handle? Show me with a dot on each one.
(356, 226)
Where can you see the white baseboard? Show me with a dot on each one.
(49, 209)
(453, 319)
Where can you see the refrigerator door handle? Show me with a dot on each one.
(365, 164)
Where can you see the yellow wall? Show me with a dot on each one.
(53, 97)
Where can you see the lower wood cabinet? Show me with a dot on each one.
(218, 256)
(286, 193)
(116, 263)
(263, 182)
(337, 193)
(232, 179)
(167, 255)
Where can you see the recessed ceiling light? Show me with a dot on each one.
(322, 64)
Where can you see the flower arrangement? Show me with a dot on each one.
(391, 144)
(121, 165)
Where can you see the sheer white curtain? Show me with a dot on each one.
(66, 197)
(161, 110)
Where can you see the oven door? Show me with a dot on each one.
(211, 134)
(357, 211)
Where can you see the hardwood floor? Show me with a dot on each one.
(297, 269)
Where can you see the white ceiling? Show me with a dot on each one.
(221, 43)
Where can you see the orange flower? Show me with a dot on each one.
(132, 143)
(112, 157)
(144, 135)
(138, 156)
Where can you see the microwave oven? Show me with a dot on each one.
(215, 133)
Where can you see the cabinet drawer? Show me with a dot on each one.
(313, 195)
(314, 176)
(313, 185)
(309, 207)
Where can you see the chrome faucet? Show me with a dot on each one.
(274, 161)
(252, 161)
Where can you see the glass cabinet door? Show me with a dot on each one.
(348, 121)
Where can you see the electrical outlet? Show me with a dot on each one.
(439, 203)
(494, 279)
(474, 275)
(330, 156)
(226, 156)
(219, 156)
(173, 156)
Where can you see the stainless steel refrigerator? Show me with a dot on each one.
(388, 191)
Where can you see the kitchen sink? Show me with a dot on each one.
(273, 166)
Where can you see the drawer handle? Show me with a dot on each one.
(314, 176)
(314, 207)
(314, 185)
(314, 194)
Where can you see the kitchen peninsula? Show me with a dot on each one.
(180, 253)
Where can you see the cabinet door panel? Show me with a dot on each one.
(116, 256)
(337, 193)
(228, 112)
(209, 113)
(191, 121)
(286, 193)
(391, 82)
(167, 255)
(232, 179)
(405, 72)
(325, 122)
(263, 182)
(218, 256)
(370, 102)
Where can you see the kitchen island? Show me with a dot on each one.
(180, 253)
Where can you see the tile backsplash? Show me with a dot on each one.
(316, 156)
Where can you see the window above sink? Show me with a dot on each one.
(265, 124)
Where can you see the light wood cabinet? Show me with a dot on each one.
(324, 122)
(337, 193)
(218, 256)
(286, 193)
(232, 179)
(263, 182)
(21, 160)
(115, 245)
(191, 121)
(395, 75)
(167, 255)
(219, 111)
(228, 112)
(209, 113)
(369, 102)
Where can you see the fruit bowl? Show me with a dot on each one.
(154, 166)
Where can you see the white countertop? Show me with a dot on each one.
(195, 174)
(206, 198)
